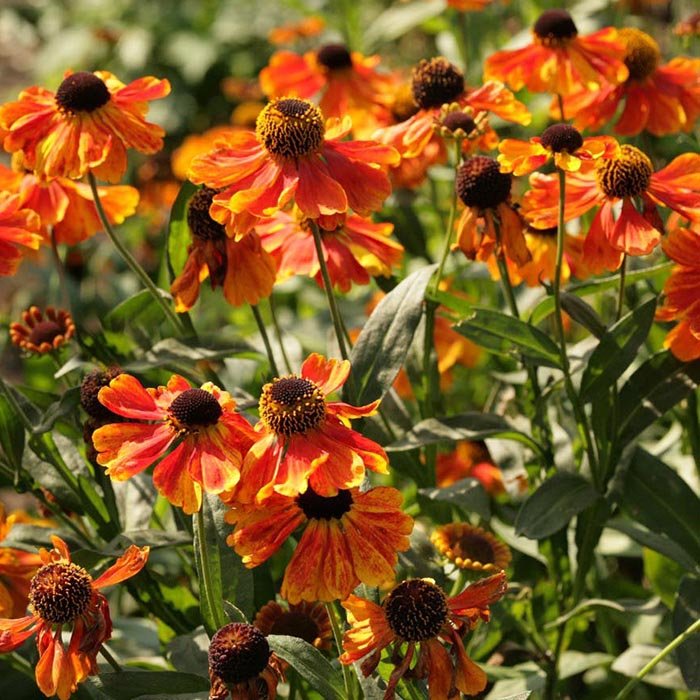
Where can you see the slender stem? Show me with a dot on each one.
(689, 632)
(205, 583)
(338, 636)
(505, 279)
(328, 288)
(560, 100)
(278, 333)
(621, 291)
(552, 666)
(62, 282)
(110, 659)
(132, 263)
(266, 339)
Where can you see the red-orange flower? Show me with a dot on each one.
(303, 439)
(303, 29)
(355, 251)
(419, 614)
(469, 5)
(690, 26)
(64, 594)
(626, 176)
(18, 228)
(485, 192)
(558, 60)
(348, 539)
(661, 99)
(86, 125)
(210, 437)
(68, 206)
(346, 83)
(42, 331)
(437, 82)
(244, 270)
(469, 459)
(290, 158)
(682, 292)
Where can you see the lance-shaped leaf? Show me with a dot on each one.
(179, 237)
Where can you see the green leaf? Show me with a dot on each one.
(553, 505)
(139, 309)
(310, 664)
(583, 313)
(616, 350)
(663, 574)
(627, 607)
(466, 426)
(506, 335)
(179, 236)
(468, 494)
(134, 684)
(636, 657)
(654, 388)
(384, 342)
(401, 19)
(65, 406)
(11, 435)
(685, 612)
(659, 499)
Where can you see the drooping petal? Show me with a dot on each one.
(128, 565)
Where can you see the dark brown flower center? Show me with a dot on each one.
(642, 54)
(291, 405)
(195, 407)
(290, 127)
(456, 121)
(60, 593)
(334, 56)
(238, 653)
(626, 175)
(90, 388)
(324, 508)
(199, 220)
(480, 183)
(555, 27)
(45, 332)
(436, 82)
(561, 137)
(470, 545)
(296, 624)
(82, 92)
(416, 610)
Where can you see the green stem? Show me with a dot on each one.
(205, 583)
(62, 283)
(278, 333)
(338, 636)
(132, 263)
(621, 291)
(266, 339)
(691, 421)
(689, 632)
(110, 659)
(328, 288)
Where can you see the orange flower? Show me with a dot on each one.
(661, 99)
(39, 334)
(470, 459)
(469, 5)
(16, 566)
(289, 158)
(62, 594)
(307, 621)
(626, 176)
(559, 60)
(690, 26)
(211, 437)
(348, 83)
(18, 227)
(303, 439)
(469, 547)
(419, 614)
(437, 82)
(485, 191)
(244, 269)
(682, 293)
(68, 206)
(348, 539)
(196, 145)
(355, 251)
(241, 664)
(303, 29)
(86, 125)
(560, 141)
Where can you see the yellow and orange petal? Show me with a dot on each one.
(87, 125)
(19, 229)
(690, 26)
(355, 251)
(303, 29)
(293, 157)
(42, 331)
(558, 60)
(469, 547)
(307, 620)
(469, 5)
(305, 440)
(351, 538)
(470, 459)
(208, 436)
